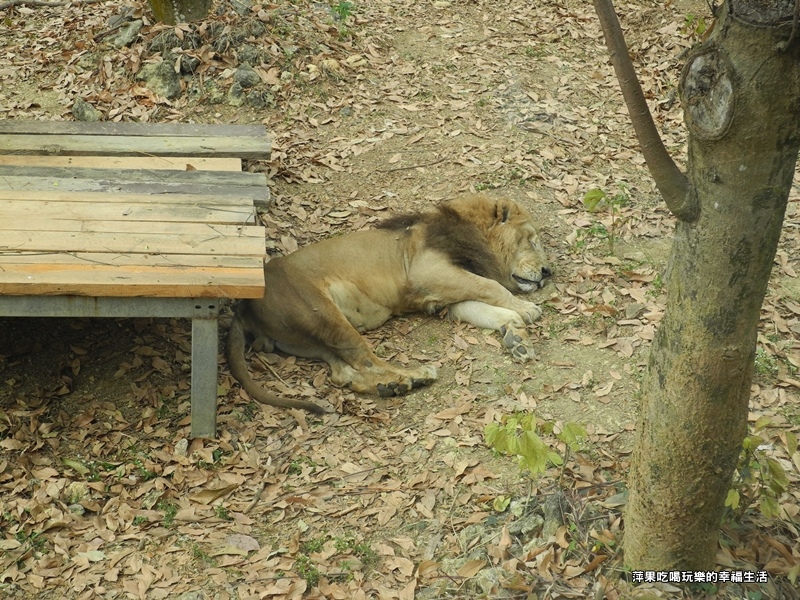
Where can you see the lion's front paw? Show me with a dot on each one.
(517, 342)
(529, 312)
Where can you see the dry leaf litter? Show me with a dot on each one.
(374, 107)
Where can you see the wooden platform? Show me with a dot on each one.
(129, 219)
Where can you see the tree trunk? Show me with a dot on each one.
(179, 11)
(741, 95)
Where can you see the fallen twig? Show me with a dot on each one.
(255, 499)
(430, 164)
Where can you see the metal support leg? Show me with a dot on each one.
(202, 311)
(204, 377)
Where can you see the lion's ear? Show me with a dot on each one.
(504, 208)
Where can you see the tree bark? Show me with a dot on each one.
(741, 95)
(172, 12)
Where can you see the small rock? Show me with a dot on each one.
(553, 515)
(524, 525)
(181, 447)
(258, 99)
(331, 65)
(490, 581)
(75, 492)
(250, 54)
(632, 310)
(209, 93)
(242, 6)
(127, 34)
(255, 28)
(76, 509)
(83, 111)
(166, 40)
(236, 95)
(356, 60)
(197, 595)
(246, 76)
(161, 78)
(189, 64)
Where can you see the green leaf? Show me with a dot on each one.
(791, 443)
(490, 433)
(76, 466)
(733, 499)
(769, 507)
(533, 452)
(751, 442)
(593, 198)
(501, 438)
(780, 481)
(761, 423)
(572, 435)
(500, 504)
(794, 574)
(528, 422)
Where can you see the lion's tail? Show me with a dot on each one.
(238, 367)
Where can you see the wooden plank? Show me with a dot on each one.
(155, 282)
(233, 200)
(12, 176)
(14, 126)
(179, 163)
(255, 191)
(92, 145)
(130, 242)
(29, 211)
(198, 229)
(217, 261)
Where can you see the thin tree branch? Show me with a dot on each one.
(670, 180)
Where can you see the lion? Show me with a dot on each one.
(469, 255)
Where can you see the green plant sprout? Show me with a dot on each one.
(694, 25)
(517, 436)
(595, 200)
(343, 9)
(759, 478)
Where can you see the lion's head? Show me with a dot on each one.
(512, 238)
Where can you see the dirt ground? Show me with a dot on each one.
(377, 107)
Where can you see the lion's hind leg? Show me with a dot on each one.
(380, 377)
(508, 322)
(335, 340)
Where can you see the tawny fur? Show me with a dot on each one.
(468, 255)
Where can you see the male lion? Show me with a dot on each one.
(468, 255)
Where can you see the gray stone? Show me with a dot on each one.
(525, 525)
(553, 514)
(198, 595)
(490, 582)
(255, 28)
(189, 64)
(127, 34)
(161, 79)
(259, 99)
(211, 93)
(250, 54)
(83, 111)
(246, 76)
(236, 95)
(242, 6)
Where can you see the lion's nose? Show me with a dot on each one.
(546, 272)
